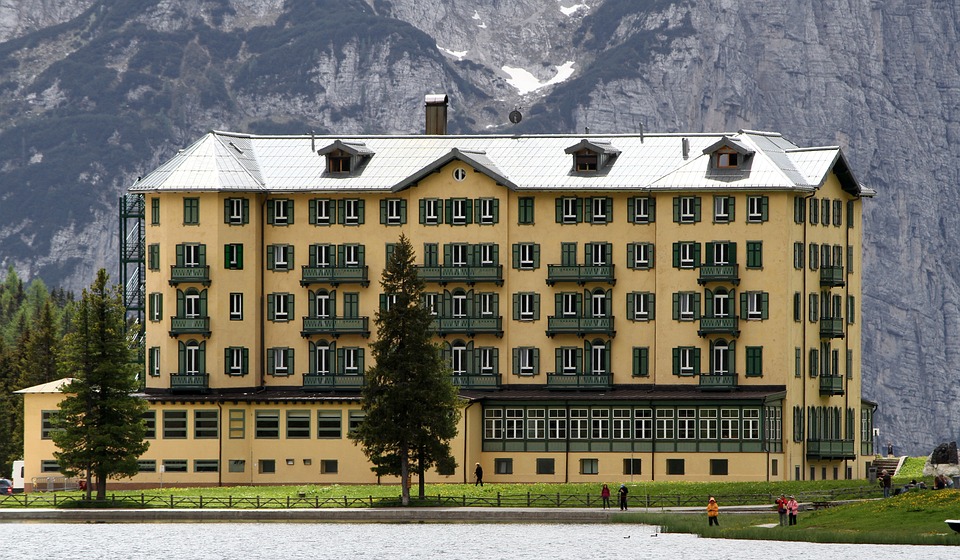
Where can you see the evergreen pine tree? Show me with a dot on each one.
(411, 405)
(99, 428)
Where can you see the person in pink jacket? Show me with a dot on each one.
(792, 508)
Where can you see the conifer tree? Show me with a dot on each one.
(99, 428)
(411, 405)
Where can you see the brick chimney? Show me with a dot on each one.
(436, 104)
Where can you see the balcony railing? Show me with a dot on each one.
(334, 275)
(831, 385)
(831, 276)
(189, 382)
(830, 449)
(719, 273)
(197, 274)
(467, 325)
(190, 325)
(718, 382)
(719, 325)
(579, 380)
(332, 382)
(468, 274)
(335, 326)
(580, 325)
(581, 274)
(831, 327)
(477, 381)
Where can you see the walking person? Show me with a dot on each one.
(605, 494)
(792, 508)
(622, 495)
(887, 482)
(478, 472)
(713, 512)
(782, 509)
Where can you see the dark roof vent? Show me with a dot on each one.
(436, 104)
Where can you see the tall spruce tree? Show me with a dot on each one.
(100, 430)
(411, 405)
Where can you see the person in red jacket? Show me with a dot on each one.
(782, 509)
(605, 494)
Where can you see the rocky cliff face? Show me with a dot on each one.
(94, 93)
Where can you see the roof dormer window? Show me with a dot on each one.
(727, 158)
(592, 156)
(585, 160)
(338, 161)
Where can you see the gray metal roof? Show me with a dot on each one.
(225, 161)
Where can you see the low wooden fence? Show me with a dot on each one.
(541, 500)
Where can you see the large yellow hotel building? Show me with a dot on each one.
(613, 307)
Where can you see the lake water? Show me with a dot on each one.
(248, 541)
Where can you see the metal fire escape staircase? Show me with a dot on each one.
(132, 271)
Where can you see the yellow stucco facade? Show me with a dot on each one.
(696, 324)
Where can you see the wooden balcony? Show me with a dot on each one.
(719, 273)
(335, 326)
(718, 382)
(477, 381)
(579, 380)
(832, 276)
(332, 382)
(830, 449)
(719, 325)
(581, 274)
(580, 326)
(334, 275)
(831, 385)
(831, 327)
(189, 382)
(469, 326)
(466, 274)
(190, 274)
(190, 325)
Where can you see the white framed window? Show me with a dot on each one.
(394, 211)
(458, 359)
(600, 423)
(527, 359)
(235, 213)
(686, 303)
(568, 361)
(598, 254)
(322, 305)
(487, 251)
(321, 359)
(432, 300)
(155, 361)
(156, 306)
(527, 306)
(487, 365)
(486, 304)
(323, 216)
(708, 423)
(192, 358)
(598, 361)
(458, 254)
(688, 209)
(599, 209)
(569, 301)
(514, 423)
(641, 306)
(459, 303)
(686, 250)
(234, 360)
(557, 423)
(686, 360)
(431, 211)
(569, 207)
(642, 423)
(721, 304)
(351, 212)
(324, 256)
(280, 215)
(622, 423)
(527, 253)
(641, 255)
(721, 359)
(721, 253)
(641, 210)
(351, 255)
(191, 255)
(579, 423)
(281, 364)
(493, 423)
(598, 304)
(729, 423)
(236, 306)
(459, 211)
(686, 423)
(280, 312)
(351, 362)
(755, 305)
(721, 209)
(281, 257)
(751, 423)
(488, 210)
(755, 209)
(665, 423)
(536, 423)
(191, 305)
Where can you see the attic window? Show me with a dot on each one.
(338, 161)
(586, 160)
(727, 158)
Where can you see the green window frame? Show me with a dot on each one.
(153, 361)
(280, 307)
(642, 210)
(526, 306)
(851, 309)
(525, 210)
(298, 424)
(799, 210)
(206, 423)
(153, 256)
(191, 211)
(589, 466)
(814, 362)
(350, 211)
(393, 211)
(155, 306)
(686, 254)
(640, 256)
(280, 257)
(754, 305)
(236, 360)
(641, 306)
(233, 256)
(797, 362)
(686, 209)
(267, 424)
(174, 424)
(458, 211)
(329, 424)
(838, 213)
(814, 211)
(754, 254)
(724, 207)
(236, 211)
(354, 419)
(174, 465)
(641, 361)
(146, 465)
(150, 424)
(568, 253)
(569, 210)
(686, 361)
(206, 465)
(280, 361)
(47, 420)
(193, 250)
(280, 212)
(487, 211)
(154, 211)
(825, 212)
(237, 427)
(526, 361)
(798, 255)
(526, 256)
(598, 209)
(754, 361)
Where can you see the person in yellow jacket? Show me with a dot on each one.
(713, 512)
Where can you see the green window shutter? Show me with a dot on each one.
(271, 361)
(338, 367)
(814, 308)
(516, 255)
(536, 307)
(587, 253)
(311, 303)
(764, 208)
(360, 367)
(696, 254)
(290, 364)
(676, 306)
(579, 355)
(383, 211)
(312, 366)
(676, 361)
(496, 210)
(608, 253)
(182, 355)
(733, 206)
(495, 253)
(814, 362)
(558, 360)
(652, 257)
(851, 309)
(632, 210)
(578, 202)
(696, 361)
(676, 254)
(676, 215)
(516, 361)
(180, 303)
(180, 255)
(652, 209)
(732, 248)
(536, 361)
(226, 210)
(271, 312)
(743, 304)
(559, 210)
(289, 203)
(710, 252)
(516, 307)
(360, 211)
(341, 211)
(448, 211)
(608, 206)
(536, 255)
(341, 255)
(696, 209)
(558, 302)
(270, 211)
(290, 257)
(423, 211)
(290, 312)
(403, 211)
(312, 211)
(764, 305)
(651, 306)
(587, 209)
(631, 306)
(203, 303)
(270, 261)
(447, 250)
(239, 249)
(696, 305)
